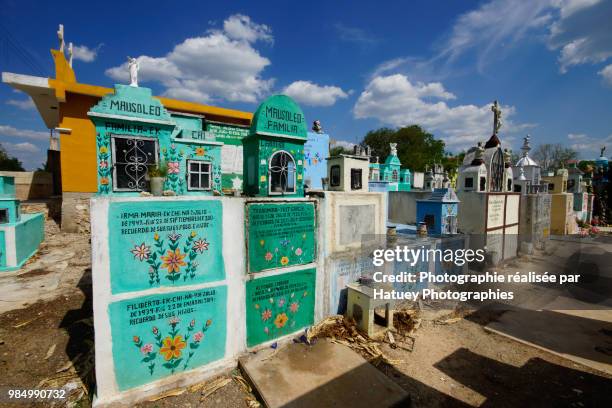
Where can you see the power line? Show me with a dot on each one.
(12, 46)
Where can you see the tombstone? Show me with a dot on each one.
(439, 212)
(136, 135)
(316, 151)
(281, 230)
(392, 173)
(489, 210)
(348, 172)
(231, 152)
(374, 174)
(562, 216)
(20, 234)
(158, 270)
(274, 150)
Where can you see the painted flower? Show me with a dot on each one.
(266, 330)
(104, 181)
(192, 323)
(284, 260)
(266, 314)
(193, 234)
(294, 307)
(304, 236)
(103, 164)
(136, 339)
(298, 252)
(174, 237)
(257, 306)
(292, 295)
(199, 151)
(281, 302)
(174, 321)
(198, 337)
(262, 242)
(305, 294)
(156, 236)
(208, 322)
(285, 242)
(281, 320)
(268, 256)
(173, 167)
(103, 150)
(141, 252)
(172, 347)
(262, 179)
(173, 261)
(200, 245)
(146, 349)
(271, 300)
(155, 330)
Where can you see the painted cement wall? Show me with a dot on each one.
(316, 151)
(232, 313)
(402, 205)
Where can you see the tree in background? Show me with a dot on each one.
(8, 162)
(415, 147)
(553, 156)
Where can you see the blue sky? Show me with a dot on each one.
(355, 66)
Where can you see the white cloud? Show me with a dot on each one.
(578, 30)
(492, 29)
(10, 131)
(24, 104)
(308, 93)
(84, 53)
(588, 147)
(582, 33)
(240, 27)
(221, 64)
(606, 74)
(23, 147)
(395, 101)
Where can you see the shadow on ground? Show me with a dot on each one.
(78, 324)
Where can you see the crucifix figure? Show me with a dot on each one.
(497, 117)
(70, 54)
(60, 37)
(133, 67)
(603, 149)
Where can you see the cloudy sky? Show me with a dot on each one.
(353, 65)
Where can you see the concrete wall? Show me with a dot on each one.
(534, 226)
(562, 217)
(31, 185)
(234, 283)
(21, 240)
(402, 205)
(75, 212)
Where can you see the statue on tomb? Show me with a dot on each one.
(479, 154)
(60, 37)
(393, 147)
(602, 150)
(316, 127)
(497, 117)
(70, 54)
(133, 67)
(507, 157)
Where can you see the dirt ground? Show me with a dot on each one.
(46, 341)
